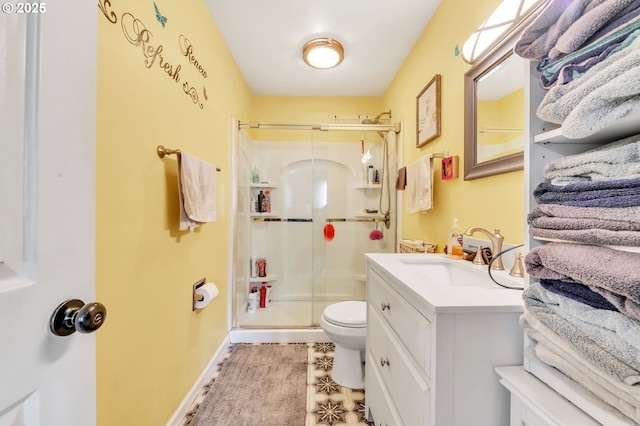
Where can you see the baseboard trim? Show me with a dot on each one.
(195, 390)
(314, 335)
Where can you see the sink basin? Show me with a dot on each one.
(448, 272)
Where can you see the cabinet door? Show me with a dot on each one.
(409, 391)
(412, 329)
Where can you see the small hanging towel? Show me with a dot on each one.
(401, 180)
(420, 184)
(197, 191)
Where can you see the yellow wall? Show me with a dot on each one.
(493, 202)
(153, 347)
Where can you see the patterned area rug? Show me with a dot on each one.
(327, 403)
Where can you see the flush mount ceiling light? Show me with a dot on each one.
(323, 53)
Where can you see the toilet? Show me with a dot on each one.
(346, 325)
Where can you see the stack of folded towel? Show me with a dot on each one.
(583, 307)
(588, 52)
(583, 315)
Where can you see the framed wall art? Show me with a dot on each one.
(428, 112)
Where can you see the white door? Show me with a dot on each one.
(47, 165)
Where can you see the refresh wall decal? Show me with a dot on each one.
(153, 52)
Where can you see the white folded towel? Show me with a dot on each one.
(419, 187)
(197, 191)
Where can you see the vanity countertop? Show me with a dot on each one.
(423, 288)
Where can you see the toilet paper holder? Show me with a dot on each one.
(197, 297)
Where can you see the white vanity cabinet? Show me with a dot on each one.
(431, 362)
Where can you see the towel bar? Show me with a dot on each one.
(162, 151)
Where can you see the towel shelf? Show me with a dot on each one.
(162, 151)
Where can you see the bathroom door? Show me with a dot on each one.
(47, 135)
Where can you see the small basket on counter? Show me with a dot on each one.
(416, 246)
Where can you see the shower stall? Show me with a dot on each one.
(326, 210)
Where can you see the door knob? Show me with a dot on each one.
(73, 315)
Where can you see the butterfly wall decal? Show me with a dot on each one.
(159, 16)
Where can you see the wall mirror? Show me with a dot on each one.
(494, 98)
(494, 112)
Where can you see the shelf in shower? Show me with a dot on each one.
(266, 279)
(256, 215)
(364, 214)
(367, 186)
(266, 185)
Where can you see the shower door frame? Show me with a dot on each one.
(234, 307)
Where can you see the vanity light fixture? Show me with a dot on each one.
(323, 53)
(506, 16)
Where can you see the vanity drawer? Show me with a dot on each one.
(413, 329)
(379, 401)
(409, 391)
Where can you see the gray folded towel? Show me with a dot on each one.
(561, 99)
(594, 24)
(598, 391)
(555, 216)
(596, 266)
(618, 98)
(552, 21)
(579, 340)
(602, 237)
(615, 332)
(616, 160)
(589, 225)
(538, 332)
(605, 193)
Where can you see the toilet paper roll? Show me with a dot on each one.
(209, 291)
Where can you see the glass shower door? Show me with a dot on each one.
(345, 214)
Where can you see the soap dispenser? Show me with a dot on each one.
(454, 249)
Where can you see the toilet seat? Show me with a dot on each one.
(352, 314)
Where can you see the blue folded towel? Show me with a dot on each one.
(579, 293)
(566, 67)
(616, 193)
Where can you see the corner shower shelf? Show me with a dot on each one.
(266, 185)
(269, 214)
(370, 215)
(266, 279)
(367, 186)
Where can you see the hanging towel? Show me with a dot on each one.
(197, 191)
(420, 184)
(401, 180)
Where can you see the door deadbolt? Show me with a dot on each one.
(73, 315)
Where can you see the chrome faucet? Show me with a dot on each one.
(496, 244)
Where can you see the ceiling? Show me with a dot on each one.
(266, 38)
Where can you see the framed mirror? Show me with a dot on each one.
(494, 112)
